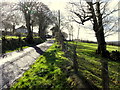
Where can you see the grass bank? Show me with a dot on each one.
(90, 65)
(54, 70)
(51, 70)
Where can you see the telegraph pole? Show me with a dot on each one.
(59, 19)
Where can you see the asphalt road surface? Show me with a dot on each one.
(16, 63)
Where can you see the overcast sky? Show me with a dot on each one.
(84, 33)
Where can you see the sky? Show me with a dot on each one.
(84, 33)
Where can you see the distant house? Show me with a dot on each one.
(22, 29)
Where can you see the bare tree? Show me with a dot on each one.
(110, 26)
(94, 11)
(6, 16)
(43, 18)
(9, 16)
(27, 8)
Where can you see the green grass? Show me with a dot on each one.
(10, 37)
(14, 37)
(113, 48)
(49, 71)
(90, 65)
(14, 45)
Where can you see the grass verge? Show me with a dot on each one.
(54, 70)
(90, 65)
(51, 70)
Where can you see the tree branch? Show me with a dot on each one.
(110, 13)
(77, 21)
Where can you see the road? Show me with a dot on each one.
(16, 63)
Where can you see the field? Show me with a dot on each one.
(51, 69)
(90, 65)
(12, 43)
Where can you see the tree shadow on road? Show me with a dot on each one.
(38, 50)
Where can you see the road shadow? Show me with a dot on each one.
(38, 50)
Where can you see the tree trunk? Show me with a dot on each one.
(32, 28)
(100, 33)
(101, 43)
(28, 25)
(62, 41)
(30, 34)
(41, 33)
(53, 33)
(102, 48)
(30, 37)
(13, 28)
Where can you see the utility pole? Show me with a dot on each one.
(59, 19)
(78, 33)
(60, 37)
